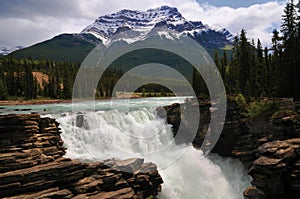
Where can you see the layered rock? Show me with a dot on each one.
(28, 140)
(231, 129)
(276, 171)
(267, 145)
(32, 166)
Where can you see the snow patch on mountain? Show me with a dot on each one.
(105, 27)
(6, 51)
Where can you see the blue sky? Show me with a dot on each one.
(31, 21)
(233, 3)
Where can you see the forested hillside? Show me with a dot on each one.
(271, 71)
(250, 69)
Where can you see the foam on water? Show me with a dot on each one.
(141, 133)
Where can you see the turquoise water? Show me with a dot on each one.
(131, 128)
(98, 105)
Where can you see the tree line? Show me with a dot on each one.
(257, 71)
(19, 80)
(249, 69)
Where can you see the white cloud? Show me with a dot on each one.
(258, 19)
(18, 31)
(27, 23)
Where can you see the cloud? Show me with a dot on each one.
(258, 20)
(31, 21)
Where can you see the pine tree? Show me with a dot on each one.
(268, 85)
(67, 90)
(289, 24)
(243, 60)
(196, 82)
(260, 69)
(297, 61)
(217, 59)
(3, 86)
(29, 87)
(233, 76)
(3, 91)
(52, 87)
(289, 79)
(224, 64)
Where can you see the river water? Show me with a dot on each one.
(131, 128)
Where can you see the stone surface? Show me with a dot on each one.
(28, 140)
(32, 166)
(267, 145)
(276, 171)
(253, 193)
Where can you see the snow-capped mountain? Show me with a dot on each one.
(164, 17)
(6, 51)
(75, 47)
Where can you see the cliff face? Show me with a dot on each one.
(32, 166)
(267, 145)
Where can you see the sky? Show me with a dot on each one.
(233, 3)
(26, 22)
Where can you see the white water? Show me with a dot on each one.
(136, 131)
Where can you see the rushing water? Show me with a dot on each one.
(130, 128)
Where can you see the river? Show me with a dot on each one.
(131, 128)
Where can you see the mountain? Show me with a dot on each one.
(75, 47)
(166, 17)
(6, 51)
(64, 47)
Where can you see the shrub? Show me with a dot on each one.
(240, 100)
(260, 108)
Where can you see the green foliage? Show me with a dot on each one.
(143, 92)
(256, 71)
(260, 108)
(17, 79)
(289, 66)
(247, 68)
(3, 91)
(240, 100)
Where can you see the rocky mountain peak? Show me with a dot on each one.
(163, 17)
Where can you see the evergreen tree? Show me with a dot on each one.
(288, 67)
(67, 90)
(29, 87)
(243, 60)
(275, 63)
(3, 91)
(233, 76)
(196, 82)
(224, 64)
(260, 70)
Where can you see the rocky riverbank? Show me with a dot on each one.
(32, 166)
(267, 143)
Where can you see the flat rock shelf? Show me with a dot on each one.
(32, 166)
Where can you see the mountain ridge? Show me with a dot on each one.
(61, 47)
(6, 51)
(168, 17)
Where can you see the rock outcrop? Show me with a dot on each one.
(276, 171)
(32, 166)
(267, 144)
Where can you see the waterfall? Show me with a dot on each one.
(139, 132)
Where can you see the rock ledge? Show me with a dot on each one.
(32, 166)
